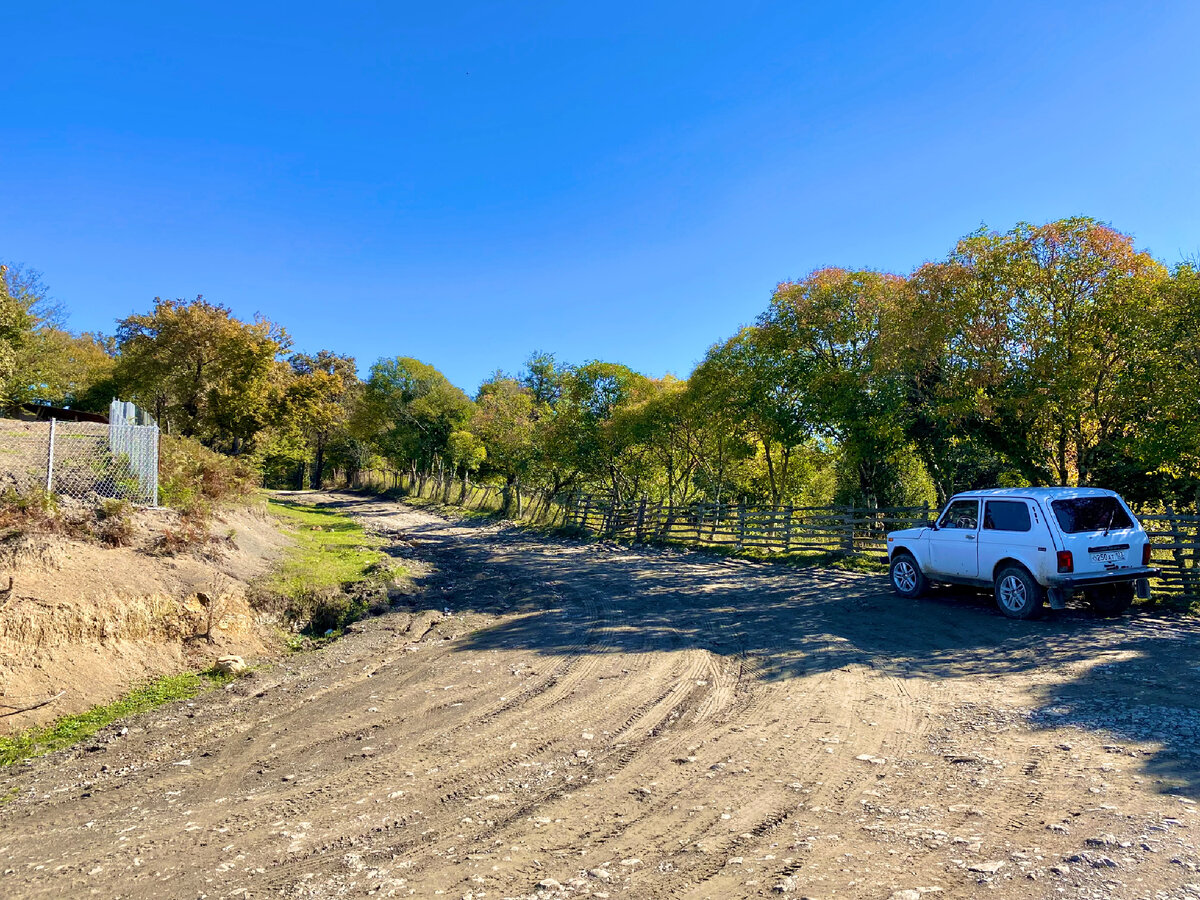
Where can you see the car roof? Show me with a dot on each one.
(1039, 493)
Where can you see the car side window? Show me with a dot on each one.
(1006, 515)
(961, 514)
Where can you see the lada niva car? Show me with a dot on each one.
(1029, 545)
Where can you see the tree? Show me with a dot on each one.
(589, 432)
(504, 419)
(16, 323)
(754, 380)
(71, 370)
(825, 330)
(1154, 453)
(318, 401)
(408, 412)
(1029, 345)
(202, 371)
(39, 361)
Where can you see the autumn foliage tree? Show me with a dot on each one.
(201, 371)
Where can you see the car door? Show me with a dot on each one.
(1009, 532)
(954, 545)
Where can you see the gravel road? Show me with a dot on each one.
(559, 719)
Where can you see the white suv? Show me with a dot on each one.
(1029, 544)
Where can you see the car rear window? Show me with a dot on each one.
(1090, 514)
(1006, 515)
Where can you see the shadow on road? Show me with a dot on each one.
(1136, 678)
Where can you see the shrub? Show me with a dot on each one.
(114, 523)
(192, 478)
(192, 531)
(36, 510)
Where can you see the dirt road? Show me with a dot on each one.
(558, 719)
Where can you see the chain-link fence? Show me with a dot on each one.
(88, 461)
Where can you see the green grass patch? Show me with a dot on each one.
(334, 574)
(332, 550)
(69, 730)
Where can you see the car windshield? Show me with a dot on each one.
(1090, 514)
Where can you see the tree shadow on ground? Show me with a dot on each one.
(1134, 678)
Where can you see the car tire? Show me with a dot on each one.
(1110, 600)
(1018, 596)
(906, 576)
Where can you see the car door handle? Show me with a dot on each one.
(969, 537)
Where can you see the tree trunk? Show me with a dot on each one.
(318, 475)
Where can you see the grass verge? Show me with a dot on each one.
(335, 573)
(69, 730)
(331, 549)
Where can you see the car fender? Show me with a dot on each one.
(915, 544)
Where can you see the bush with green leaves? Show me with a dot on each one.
(193, 478)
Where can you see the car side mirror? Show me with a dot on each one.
(933, 524)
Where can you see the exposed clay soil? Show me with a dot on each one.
(590, 720)
(93, 620)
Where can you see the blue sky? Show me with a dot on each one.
(466, 183)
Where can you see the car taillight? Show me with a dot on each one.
(1066, 562)
(1146, 554)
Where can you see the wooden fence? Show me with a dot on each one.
(763, 530)
(768, 530)
(1175, 543)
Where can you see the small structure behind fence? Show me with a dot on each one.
(87, 461)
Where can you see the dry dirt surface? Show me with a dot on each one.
(560, 719)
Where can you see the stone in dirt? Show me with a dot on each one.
(987, 868)
(786, 885)
(230, 665)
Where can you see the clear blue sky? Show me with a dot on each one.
(468, 182)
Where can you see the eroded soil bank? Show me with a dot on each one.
(89, 622)
(556, 719)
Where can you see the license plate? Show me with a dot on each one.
(1108, 556)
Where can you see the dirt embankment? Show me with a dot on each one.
(93, 620)
(555, 719)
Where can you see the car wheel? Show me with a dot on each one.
(907, 578)
(1017, 594)
(1110, 600)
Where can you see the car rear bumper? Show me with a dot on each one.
(1070, 583)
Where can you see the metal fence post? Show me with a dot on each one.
(153, 468)
(50, 461)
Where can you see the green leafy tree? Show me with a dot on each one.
(201, 371)
(754, 380)
(319, 400)
(1025, 349)
(408, 412)
(826, 331)
(504, 419)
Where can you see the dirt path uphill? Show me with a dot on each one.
(558, 719)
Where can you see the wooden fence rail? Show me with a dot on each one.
(768, 530)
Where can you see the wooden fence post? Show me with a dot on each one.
(587, 509)
(741, 509)
(848, 531)
(787, 528)
(640, 529)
